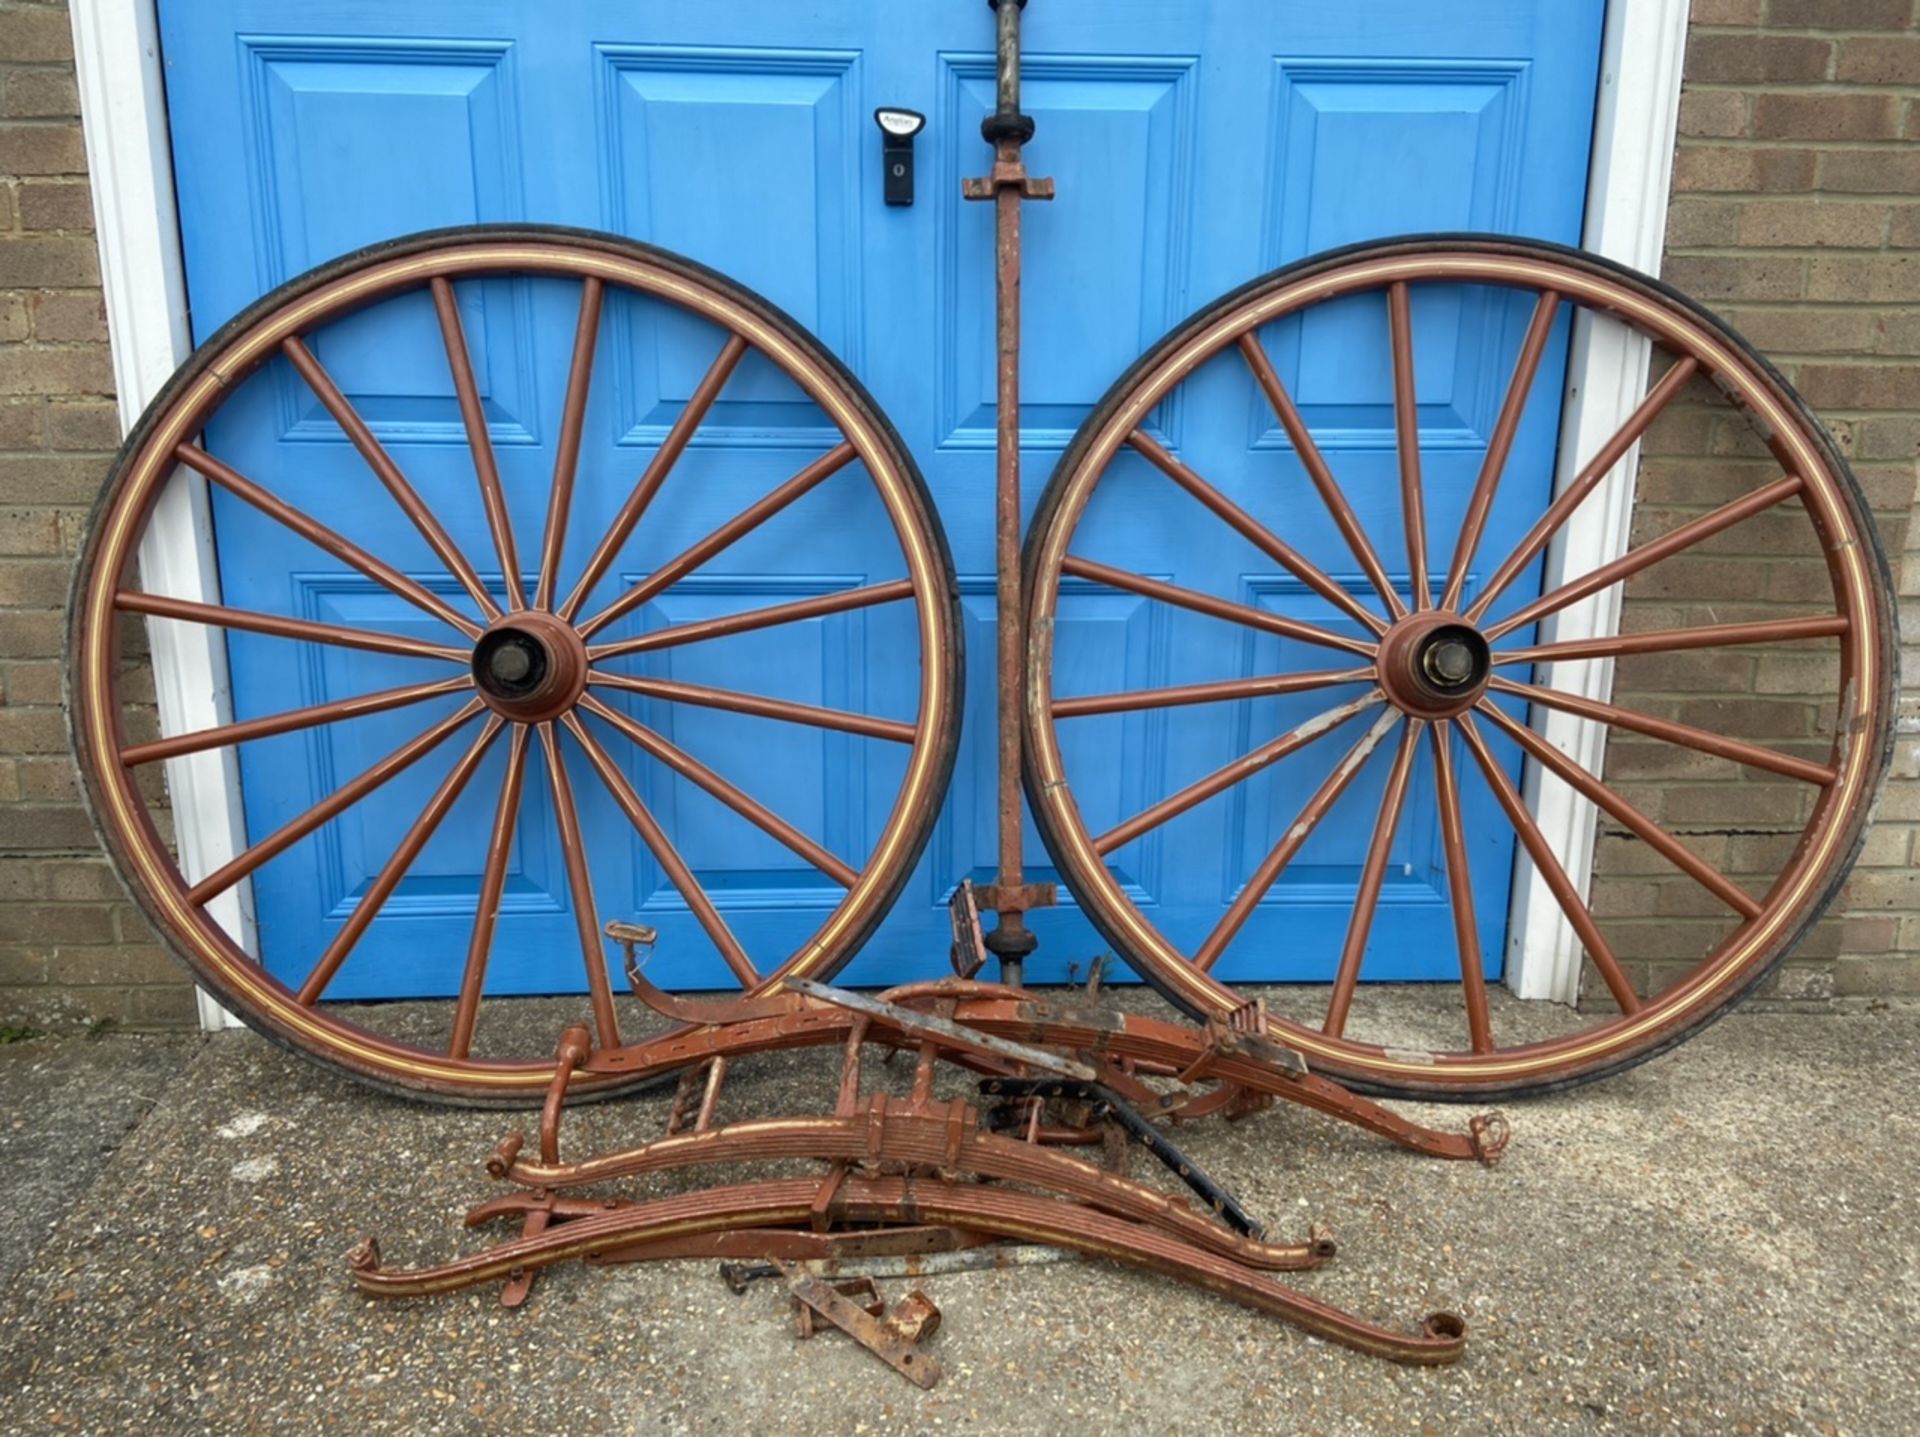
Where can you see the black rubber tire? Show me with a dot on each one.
(1047, 514)
(948, 722)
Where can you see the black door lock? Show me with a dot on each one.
(897, 129)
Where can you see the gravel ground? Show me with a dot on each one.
(1723, 1241)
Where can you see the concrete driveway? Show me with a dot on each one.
(1723, 1241)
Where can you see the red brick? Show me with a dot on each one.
(1870, 172)
(1713, 277)
(79, 880)
(1860, 386)
(38, 95)
(76, 369)
(20, 967)
(34, 583)
(1826, 117)
(83, 424)
(56, 205)
(35, 34)
(1840, 14)
(1807, 329)
(1694, 221)
(1786, 224)
(1720, 114)
(28, 148)
(1881, 60)
(29, 531)
(172, 1006)
(1757, 59)
(48, 262)
(1724, 168)
(31, 636)
(20, 423)
(1865, 279)
(1890, 437)
(78, 317)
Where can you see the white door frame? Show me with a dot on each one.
(123, 105)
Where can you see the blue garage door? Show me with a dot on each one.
(1193, 146)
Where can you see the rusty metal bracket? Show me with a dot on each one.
(891, 1343)
(707, 1012)
(1006, 176)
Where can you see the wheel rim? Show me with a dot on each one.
(530, 668)
(1458, 712)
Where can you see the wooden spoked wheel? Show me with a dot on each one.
(533, 668)
(1418, 669)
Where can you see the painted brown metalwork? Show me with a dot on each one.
(1436, 661)
(908, 1162)
(530, 665)
(1007, 185)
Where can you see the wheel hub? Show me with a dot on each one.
(530, 666)
(1434, 664)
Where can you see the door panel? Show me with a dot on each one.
(1193, 148)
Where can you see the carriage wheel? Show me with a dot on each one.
(1430, 681)
(534, 670)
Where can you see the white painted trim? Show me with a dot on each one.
(1636, 119)
(124, 112)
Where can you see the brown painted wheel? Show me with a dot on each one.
(534, 673)
(1430, 672)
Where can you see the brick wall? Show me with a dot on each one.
(1795, 211)
(72, 951)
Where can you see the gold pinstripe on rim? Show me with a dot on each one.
(1792, 891)
(120, 808)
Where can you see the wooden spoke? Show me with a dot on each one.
(652, 477)
(666, 855)
(566, 457)
(381, 889)
(479, 443)
(1207, 604)
(1256, 688)
(247, 620)
(1296, 834)
(698, 694)
(1466, 932)
(319, 535)
(1649, 832)
(1344, 517)
(1238, 771)
(1634, 560)
(289, 722)
(493, 884)
(1525, 368)
(1561, 886)
(1661, 641)
(743, 523)
(1557, 513)
(690, 768)
(1373, 873)
(341, 799)
(388, 473)
(1406, 428)
(1751, 755)
(1254, 532)
(821, 605)
(586, 916)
